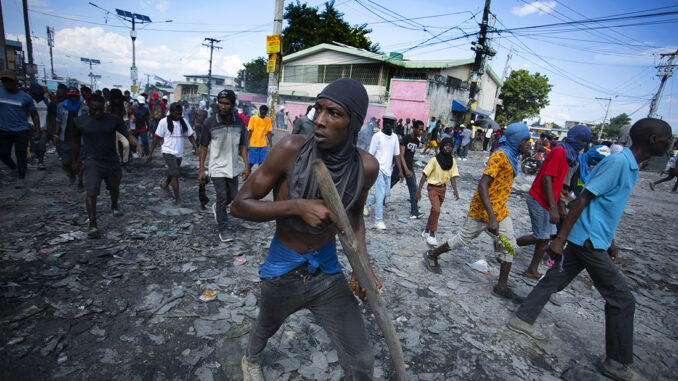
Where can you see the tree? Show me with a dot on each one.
(307, 27)
(616, 123)
(523, 95)
(255, 76)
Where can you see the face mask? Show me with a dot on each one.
(388, 127)
(239, 111)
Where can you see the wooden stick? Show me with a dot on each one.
(358, 262)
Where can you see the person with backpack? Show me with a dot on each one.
(158, 111)
(142, 120)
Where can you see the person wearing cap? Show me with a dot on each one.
(158, 111)
(14, 128)
(385, 147)
(67, 111)
(224, 135)
(142, 121)
(302, 270)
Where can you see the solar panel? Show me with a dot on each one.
(122, 13)
(142, 18)
(84, 59)
(96, 61)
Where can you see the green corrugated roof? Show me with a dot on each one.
(407, 64)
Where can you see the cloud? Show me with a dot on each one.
(540, 7)
(172, 62)
(161, 5)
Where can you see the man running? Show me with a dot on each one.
(302, 269)
(544, 195)
(172, 130)
(14, 128)
(488, 211)
(225, 135)
(588, 231)
(102, 161)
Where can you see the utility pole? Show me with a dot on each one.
(90, 61)
(148, 81)
(504, 74)
(50, 42)
(482, 50)
(3, 54)
(274, 77)
(212, 41)
(29, 44)
(665, 71)
(607, 113)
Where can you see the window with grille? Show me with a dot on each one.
(367, 74)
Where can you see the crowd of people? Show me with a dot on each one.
(574, 203)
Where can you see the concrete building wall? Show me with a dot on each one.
(440, 97)
(408, 99)
(374, 92)
(487, 94)
(459, 72)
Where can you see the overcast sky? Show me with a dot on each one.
(615, 63)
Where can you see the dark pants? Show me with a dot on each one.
(143, 138)
(619, 302)
(411, 187)
(464, 151)
(328, 297)
(20, 142)
(671, 175)
(486, 143)
(226, 189)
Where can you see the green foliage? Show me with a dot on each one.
(308, 27)
(524, 95)
(612, 128)
(255, 76)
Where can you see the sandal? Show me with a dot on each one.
(431, 263)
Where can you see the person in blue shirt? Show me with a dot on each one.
(14, 128)
(588, 230)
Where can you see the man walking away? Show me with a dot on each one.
(225, 135)
(101, 158)
(14, 128)
(304, 124)
(302, 269)
(142, 120)
(408, 147)
(465, 142)
(172, 130)
(259, 137)
(588, 231)
(37, 92)
(67, 112)
(385, 148)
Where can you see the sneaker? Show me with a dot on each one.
(93, 233)
(117, 213)
(41, 166)
(380, 226)
(431, 264)
(366, 212)
(651, 187)
(432, 241)
(251, 371)
(223, 237)
(516, 324)
(20, 184)
(425, 234)
(508, 293)
(417, 216)
(618, 371)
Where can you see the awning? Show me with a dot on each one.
(480, 113)
(456, 106)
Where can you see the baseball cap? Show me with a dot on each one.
(8, 74)
(389, 115)
(155, 96)
(141, 99)
(164, 97)
(72, 91)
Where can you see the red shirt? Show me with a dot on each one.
(555, 165)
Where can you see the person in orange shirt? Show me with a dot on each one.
(260, 129)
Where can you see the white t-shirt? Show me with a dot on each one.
(383, 147)
(173, 142)
(41, 108)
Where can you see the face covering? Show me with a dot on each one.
(445, 160)
(343, 161)
(514, 134)
(388, 127)
(571, 145)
